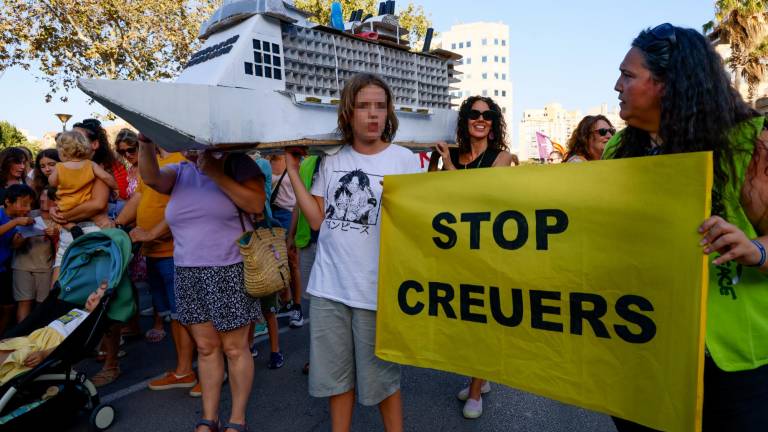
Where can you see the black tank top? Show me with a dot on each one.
(484, 160)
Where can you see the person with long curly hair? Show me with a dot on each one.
(676, 98)
(482, 139)
(13, 163)
(481, 135)
(588, 140)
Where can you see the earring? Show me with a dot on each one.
(491, 136)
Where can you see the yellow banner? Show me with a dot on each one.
(580, 282)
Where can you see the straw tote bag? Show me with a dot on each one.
(265, 258)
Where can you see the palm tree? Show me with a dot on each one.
(744, 25)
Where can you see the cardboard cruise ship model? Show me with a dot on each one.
(267, 78)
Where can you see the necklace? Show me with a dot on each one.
(479, 162)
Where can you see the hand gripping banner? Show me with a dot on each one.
(580, 282)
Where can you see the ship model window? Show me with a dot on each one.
(257, 57)
(258, 71)
(277, 74)
(266, 46)
(248, 68)
(267, 59)
(267, 71)
(276, 60)
(275, 48)
(256, 44)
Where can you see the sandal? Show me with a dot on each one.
(212, 425)
(237, 427)
(154, 335)
(105, 376)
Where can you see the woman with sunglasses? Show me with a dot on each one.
(127, 146)
(481, 135)
(676, 98)
(588, 139)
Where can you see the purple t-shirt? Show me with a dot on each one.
(204, 222)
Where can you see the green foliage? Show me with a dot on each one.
(113, 39)
(10, 136)
(412, 17)
(744, 25)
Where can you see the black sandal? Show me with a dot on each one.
(212, 425)
(235, 426)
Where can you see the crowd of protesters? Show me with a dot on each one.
(167, 201)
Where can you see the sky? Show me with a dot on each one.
(560, 51)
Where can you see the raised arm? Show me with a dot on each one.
(311, 206)
(103, 175)
(161, 180)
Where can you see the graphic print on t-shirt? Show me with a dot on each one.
(352, 199)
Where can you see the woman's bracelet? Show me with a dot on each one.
(761, 248)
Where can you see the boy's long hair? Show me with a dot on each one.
(347, 106)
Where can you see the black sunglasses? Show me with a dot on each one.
(603, 131)
(489, 115)
(665, 32)
(129, 150)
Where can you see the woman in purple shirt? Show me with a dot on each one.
(205, 222)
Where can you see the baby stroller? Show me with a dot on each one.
(53, 392)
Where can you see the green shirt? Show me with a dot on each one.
(306, 172)
(737, 301)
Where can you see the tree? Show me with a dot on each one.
(412, 17)
(744, 25)
(10, 136)
(114, 39)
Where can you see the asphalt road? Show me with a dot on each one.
(280, 402)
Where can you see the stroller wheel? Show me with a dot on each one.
(102, 417)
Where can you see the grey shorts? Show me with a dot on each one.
(341, 354)
(31, 285)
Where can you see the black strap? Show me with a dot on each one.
(276, 188)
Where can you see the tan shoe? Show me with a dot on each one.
(197, 390)
(170, 380)
(105, 376)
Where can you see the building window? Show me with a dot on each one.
(503, 59)
(485, 75)
(485, 92)
(503, 42)
(453, 46)
(485, 59)
(469, 44)
(469, 60)
(461, 44)
(485, 41)
(469, 76)
(504, 76)
(496, 75)
(504, 110)
(495, 92)
(495, 41)
(503, 92)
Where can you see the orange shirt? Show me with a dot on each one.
(151, 211)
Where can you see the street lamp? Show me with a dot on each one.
(64, 118)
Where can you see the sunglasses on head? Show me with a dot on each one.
(603, 131)
(128, 150)
(489, 115)
(665, 32)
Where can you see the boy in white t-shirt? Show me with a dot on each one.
(344, 205)
(21, 354)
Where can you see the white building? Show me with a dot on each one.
(553, 121)
(485, 64)
(558, 124)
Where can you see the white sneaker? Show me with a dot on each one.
(464, 393)
(473, 408)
